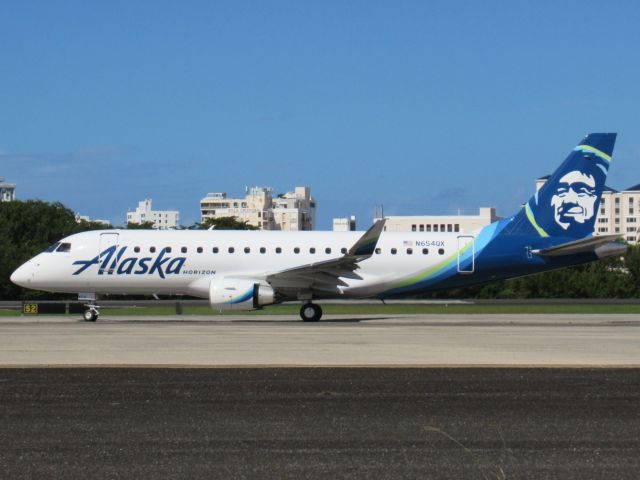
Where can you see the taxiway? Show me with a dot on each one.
(356, 340)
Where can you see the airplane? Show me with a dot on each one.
(247, 270)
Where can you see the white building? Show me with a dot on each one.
(344, 224)
(462, 224)
(289, 211)
(295, 210)
(7, 191)
(619, 212)
(86, 218)
(162, 219)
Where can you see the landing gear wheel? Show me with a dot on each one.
(310, 312)
(90, 315)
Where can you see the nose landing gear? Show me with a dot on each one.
(310, 312)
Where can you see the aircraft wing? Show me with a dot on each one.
(603, 246)
(326, 277)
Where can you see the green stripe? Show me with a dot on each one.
(435, 269)
(532, 219)
(591, 149)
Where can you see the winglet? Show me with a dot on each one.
(366, 244)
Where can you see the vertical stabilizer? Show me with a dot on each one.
(567, 204)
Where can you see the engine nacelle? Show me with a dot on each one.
(228, 293)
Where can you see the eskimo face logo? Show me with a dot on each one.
(575, 199)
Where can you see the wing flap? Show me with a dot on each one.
(309, 279)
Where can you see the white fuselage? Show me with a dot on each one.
(185, 262)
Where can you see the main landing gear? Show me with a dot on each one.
(310, 312)
(91, 313)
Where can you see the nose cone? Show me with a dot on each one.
(22, 276)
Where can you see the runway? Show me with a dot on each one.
(332, 423)
(561, 401)
(355, 340)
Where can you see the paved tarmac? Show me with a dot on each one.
(329, 423)
(401, 421)
(338, 340)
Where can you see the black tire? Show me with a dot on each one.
(89, 315)
(310, 312)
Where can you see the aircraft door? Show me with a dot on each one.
(108, 240)
(466, 253)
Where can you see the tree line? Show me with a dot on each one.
(29, 227)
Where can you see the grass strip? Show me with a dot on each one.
(373, 309)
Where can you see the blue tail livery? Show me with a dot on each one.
(552, 230)
(567, 204)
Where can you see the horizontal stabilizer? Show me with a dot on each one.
(603, 246)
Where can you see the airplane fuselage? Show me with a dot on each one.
(184, 262)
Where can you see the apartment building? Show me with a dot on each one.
(162, 219)
(7, 191)
(291, 211)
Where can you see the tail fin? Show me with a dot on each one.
(567, 204)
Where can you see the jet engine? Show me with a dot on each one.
(228, 293)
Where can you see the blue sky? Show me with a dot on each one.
(425, 107)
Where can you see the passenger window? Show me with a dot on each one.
(247, 250)
(52, 247)
(278, 250)
(231, 249)
(409, 251)
(64, 247)
(441, 251)
(167, 249)
(152, 249)
(343, 251)
(136, 249)
(394, 251)
(263, 250)
(183, 249)
(378, 251)
(199, 249)
(312, 250)
(296, 250)
(216, 249)
(425, 251)
(327, 250)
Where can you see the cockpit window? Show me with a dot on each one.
(52, 247)
(64, 247)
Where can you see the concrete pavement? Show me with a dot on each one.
(355, 340)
